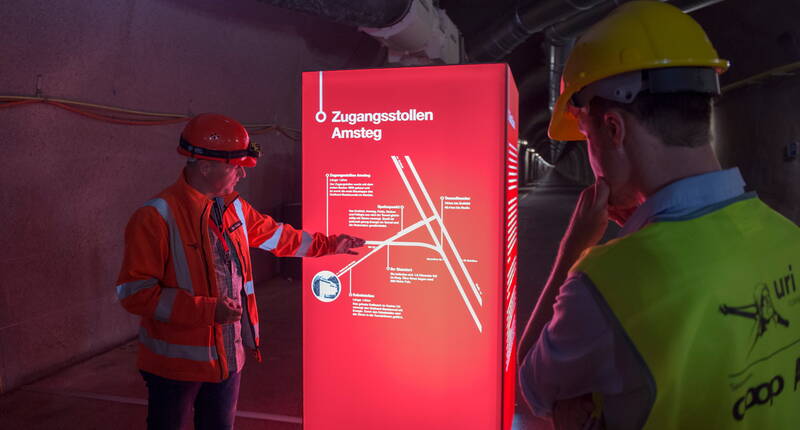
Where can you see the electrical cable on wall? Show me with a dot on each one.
(117, 115)
(784, 70)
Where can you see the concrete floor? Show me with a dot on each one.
(107, 391)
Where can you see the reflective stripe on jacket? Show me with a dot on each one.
(167, 277)
(710, 304)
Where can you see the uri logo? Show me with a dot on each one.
(763, 310)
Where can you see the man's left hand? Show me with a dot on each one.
(345, 243)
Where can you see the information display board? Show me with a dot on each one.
(417, 331)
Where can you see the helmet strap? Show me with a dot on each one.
(251, 151)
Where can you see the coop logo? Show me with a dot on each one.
(761, 394)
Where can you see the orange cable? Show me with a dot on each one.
(65, 104)
(20, 103)
(114, 120)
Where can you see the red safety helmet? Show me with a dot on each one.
(212, 136)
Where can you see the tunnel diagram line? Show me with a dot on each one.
(459, 272)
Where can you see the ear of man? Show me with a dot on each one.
(615, 127)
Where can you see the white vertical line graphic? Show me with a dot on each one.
(327, 210)
(446, 260)
(444, 230)
(441, 231)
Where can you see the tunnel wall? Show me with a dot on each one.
(70, 183)
(757, 115)
(753, 127)
(574, 163)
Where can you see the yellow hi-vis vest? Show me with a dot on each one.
(712, 307)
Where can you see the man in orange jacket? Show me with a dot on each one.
(187, 272)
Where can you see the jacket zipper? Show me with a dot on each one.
(244, 299)
(243, 293)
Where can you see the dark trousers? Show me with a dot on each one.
(170, 402)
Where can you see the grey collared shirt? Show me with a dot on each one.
(229, 284)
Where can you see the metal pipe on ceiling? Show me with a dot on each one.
(556, 60)
(562, 19)
(362, 13)
(415, 32)
(566, 31)
(499, 41)
(572, 27)
(690, 6)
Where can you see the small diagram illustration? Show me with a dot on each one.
(442, 243)
(326, 286)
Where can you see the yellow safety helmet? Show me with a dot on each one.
(638, 35)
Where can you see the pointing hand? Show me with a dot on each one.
(344, 244)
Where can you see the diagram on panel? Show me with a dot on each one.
(429, 216)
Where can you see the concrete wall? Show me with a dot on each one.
(70, 183)
(574, 163)
(754, 123)
(753, 127)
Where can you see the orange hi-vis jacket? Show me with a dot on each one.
(168, 277)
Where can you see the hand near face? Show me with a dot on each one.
(589, 219)
(345, 243)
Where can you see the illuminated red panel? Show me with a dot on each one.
(413, 332)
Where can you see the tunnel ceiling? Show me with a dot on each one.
(755, 36)
(528, 61)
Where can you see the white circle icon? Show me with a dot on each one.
(321, 116)
(326, 286)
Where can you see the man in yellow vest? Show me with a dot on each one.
(689, 320)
